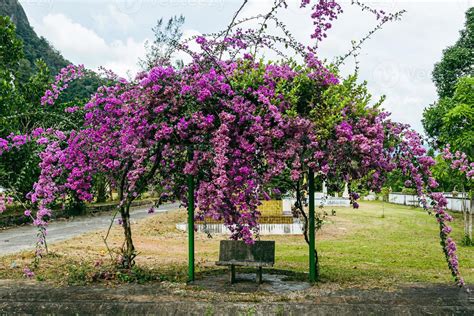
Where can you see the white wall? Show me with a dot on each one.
(454, 203)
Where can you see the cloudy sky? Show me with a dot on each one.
(397, 61)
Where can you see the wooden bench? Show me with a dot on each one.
(237, 253)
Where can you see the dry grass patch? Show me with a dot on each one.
(357, 247)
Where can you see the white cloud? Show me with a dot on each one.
(113, 17)
(83, 45)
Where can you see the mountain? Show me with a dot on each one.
(34, 47)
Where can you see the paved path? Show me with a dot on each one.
(23, 238)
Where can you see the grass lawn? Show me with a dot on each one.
(357, 248)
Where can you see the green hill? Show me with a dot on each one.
(34, 47)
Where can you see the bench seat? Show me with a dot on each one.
(234, 253)
(244, 263)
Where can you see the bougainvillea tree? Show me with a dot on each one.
(376, 146)
(234, 122)
(138, 134)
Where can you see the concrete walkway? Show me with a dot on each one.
(23, 238)
(35, 298)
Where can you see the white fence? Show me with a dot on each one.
(264, 229)
(454, 203)
(318, 200)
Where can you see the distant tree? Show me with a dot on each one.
(34, 47)
(164, 45)
(11, 49)
(451, 118)
(457, 60)
(458, 122)
(14, 98)
(449, 180)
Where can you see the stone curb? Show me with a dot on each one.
(222, 308)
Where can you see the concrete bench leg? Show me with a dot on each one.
(232, 274)
(259, 275)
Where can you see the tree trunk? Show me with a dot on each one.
(128, 249)
(101, 189)
(465, 215)
(111, 191)
(299, 206)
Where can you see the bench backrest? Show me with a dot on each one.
(238, 250)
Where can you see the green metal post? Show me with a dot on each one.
(312, 267)
(190, 222)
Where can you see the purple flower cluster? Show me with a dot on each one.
(67, 74)
(28, 273)
(448, 244)
(3, 205)
(324, 12)
(4, 201)
(459, 161)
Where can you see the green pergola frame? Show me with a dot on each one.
(190, 223)
(312, 267)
